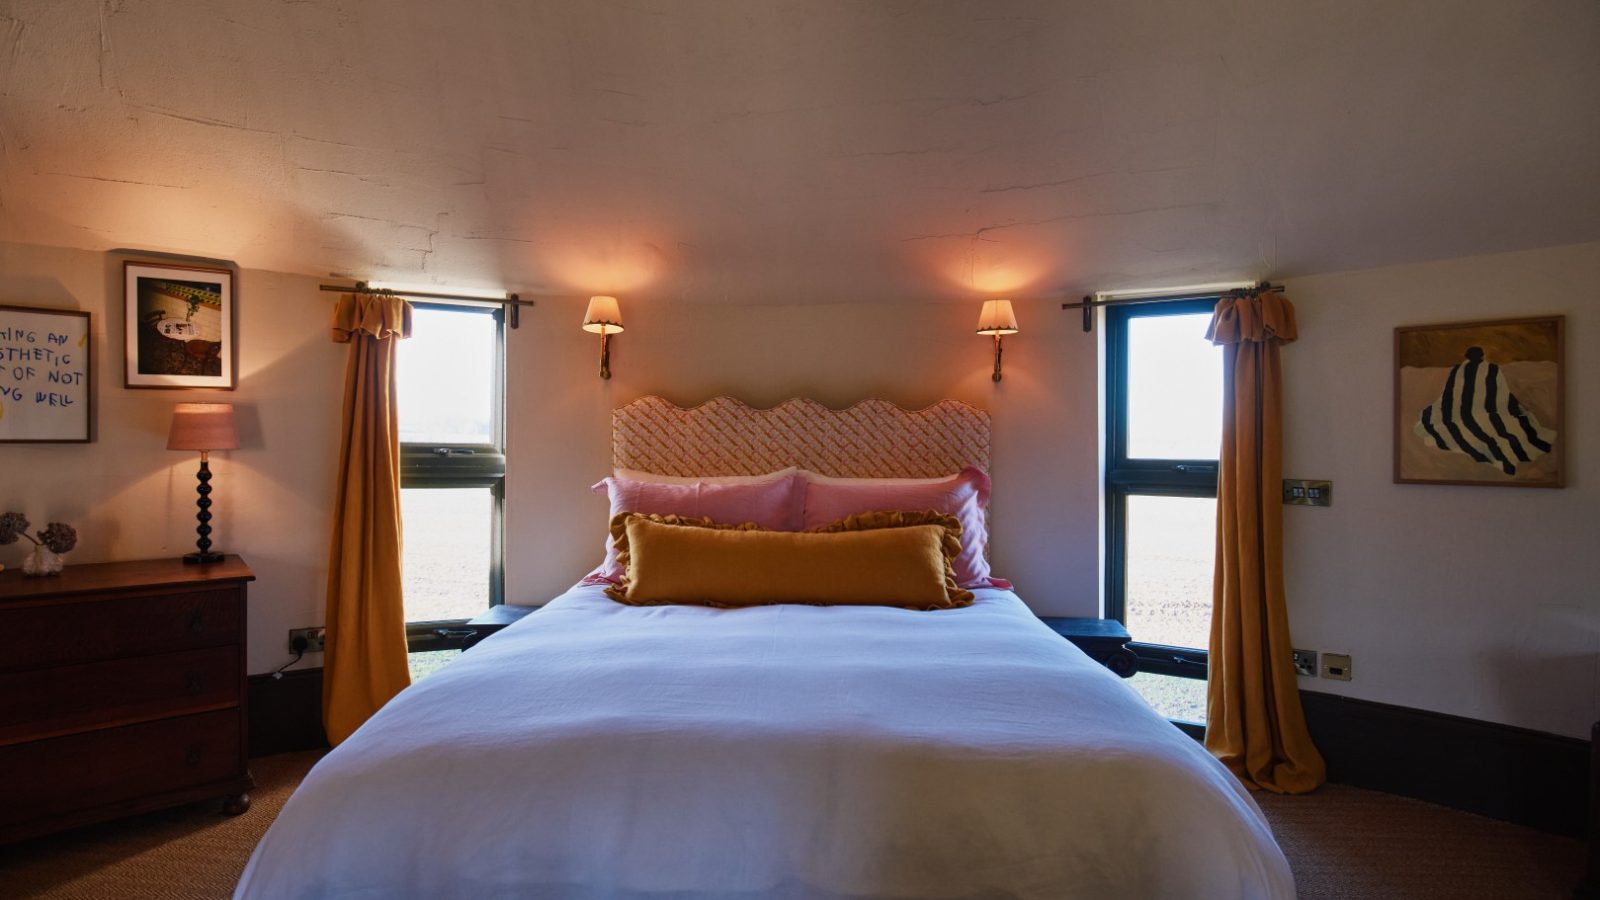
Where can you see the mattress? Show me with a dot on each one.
(596, 750)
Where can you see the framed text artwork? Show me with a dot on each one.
(180, 326)
(1480, 403)
(46, 379)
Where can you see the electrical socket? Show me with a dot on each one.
(315, 638)
(1305, 662)
(1336, 666)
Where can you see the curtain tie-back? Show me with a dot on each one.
(381, 315)
(1262, 317)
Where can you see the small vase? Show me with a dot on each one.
(42, 561)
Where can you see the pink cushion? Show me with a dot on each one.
(773, 504)
(965, 496)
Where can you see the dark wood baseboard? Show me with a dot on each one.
(1512, 774)
(286, 713)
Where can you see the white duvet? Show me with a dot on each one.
(595, 750)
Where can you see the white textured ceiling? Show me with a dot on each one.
(806, 151)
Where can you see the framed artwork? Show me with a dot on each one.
(1480, 403)
(180, 326)
(46, 379)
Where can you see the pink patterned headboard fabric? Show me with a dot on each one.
(872, 439)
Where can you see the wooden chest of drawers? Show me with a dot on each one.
(122, 689)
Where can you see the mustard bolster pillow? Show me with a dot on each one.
(880, 559)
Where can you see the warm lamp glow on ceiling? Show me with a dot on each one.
(603, 317)
(997, 318)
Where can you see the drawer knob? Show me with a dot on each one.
(193, 756)
(197, 620)
(195, 683)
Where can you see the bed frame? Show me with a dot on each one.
(872, 439)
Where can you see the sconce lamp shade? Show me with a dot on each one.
(203, 426)
(997, 318)
(603, 316)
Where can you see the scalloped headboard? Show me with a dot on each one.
(872, 439)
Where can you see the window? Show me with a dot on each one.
(450, 378)
(1164, 429)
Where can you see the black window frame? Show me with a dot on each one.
(1125, 477)
(432, 465)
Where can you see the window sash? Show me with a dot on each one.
(436, 466)
(1125, 477)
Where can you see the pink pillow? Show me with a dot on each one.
(773, 504)
(965, 496)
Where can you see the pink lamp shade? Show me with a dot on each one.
(203, 426)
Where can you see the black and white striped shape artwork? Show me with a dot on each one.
(1478, 415)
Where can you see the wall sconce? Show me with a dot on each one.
(204, 427)
(997, 319)
(603, 317)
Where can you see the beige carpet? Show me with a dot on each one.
(1342, 842)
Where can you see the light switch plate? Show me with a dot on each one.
(1336, 666)
(1307, 492)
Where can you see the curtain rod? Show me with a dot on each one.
(1090, 303)
(511, 303)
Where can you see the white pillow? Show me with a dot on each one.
(653, 478)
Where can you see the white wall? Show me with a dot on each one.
(1474, 601)
(1045, 445)
(131, 498)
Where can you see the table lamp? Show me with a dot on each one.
(204, 427)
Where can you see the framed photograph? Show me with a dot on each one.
(180, 326)
(46, 377)
(1480, 403)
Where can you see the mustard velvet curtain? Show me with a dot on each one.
(1254, 723)
(365, 656)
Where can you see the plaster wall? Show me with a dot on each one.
(1477, 601)
(1472, 601)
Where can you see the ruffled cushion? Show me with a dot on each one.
(964, 495)
(771, 502)
(875, 559)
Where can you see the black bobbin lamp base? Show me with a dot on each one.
(203, 552)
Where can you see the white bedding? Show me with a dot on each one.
(595, 750)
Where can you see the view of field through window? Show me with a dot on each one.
(1174, 412)
(445, 384)
(447, 543)
(1170, 556)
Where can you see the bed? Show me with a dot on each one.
(600, 750)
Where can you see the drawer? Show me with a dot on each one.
(64, 699)
(63, 775)
(78, 631)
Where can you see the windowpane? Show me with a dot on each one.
(446, 377)
(448, 535)
(1169, 558)
(1174, 698)
(1174, 388)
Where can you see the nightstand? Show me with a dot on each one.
(1105, 640)
(485, 624)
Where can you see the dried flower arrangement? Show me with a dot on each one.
(57, 537)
